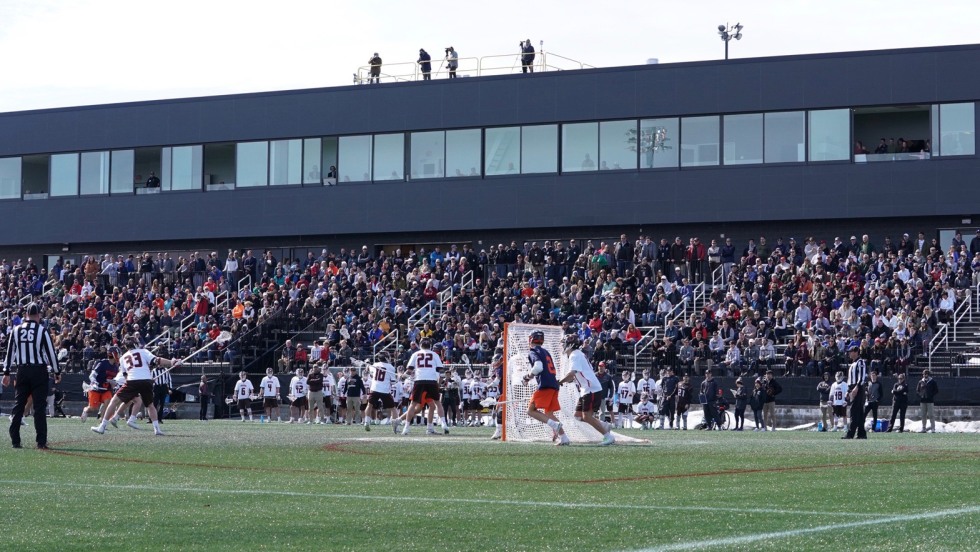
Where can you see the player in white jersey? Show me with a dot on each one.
(645, 384)
(243, 395)
(329, 386)
(465, 397)
(589, 388)
(269, 387)
(625, 391)
(342, 396)
(297, 390)
(135, 365)
(838, 399)
(478, 391)
(426, 364)
(645, 411)
(384, 379)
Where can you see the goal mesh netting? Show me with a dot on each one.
(518, 426)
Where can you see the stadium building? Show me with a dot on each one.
(740, 147)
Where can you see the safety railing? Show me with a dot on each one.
(964, 309)
(387, 344)
(718, 276)
(644, 343)
(496, 64)
(940, 340)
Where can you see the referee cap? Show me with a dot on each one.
(33, 309)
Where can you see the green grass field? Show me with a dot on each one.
(234, 486)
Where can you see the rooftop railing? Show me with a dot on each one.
(496, 64)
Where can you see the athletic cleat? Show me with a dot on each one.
(367, 427)
(394, 426)
(445, 431)
(98, 430)
(405, 431)
(133, 425)
(607, 440)
(563, 442)
(158, 432)
(114, 423)
(430, 432)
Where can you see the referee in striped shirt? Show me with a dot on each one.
(31, 351)
(857, 377)
(162, 383)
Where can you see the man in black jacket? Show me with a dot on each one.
(772, 388)
(709, 401)
(527, 56)
(927, 390)
(425, 63)
(900, 402)
(874, 397)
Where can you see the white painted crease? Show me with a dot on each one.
(745, 539)
(490, 501)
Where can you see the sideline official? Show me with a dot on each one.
(857, 376)
(162, 388)
(31, 352)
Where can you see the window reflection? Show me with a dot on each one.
(743, 139)
(389, 157)
(122, 172)
(9, 177)
(616, 145)
(785, 135)
(95, 173)
(355, 158)
(503, 151)
(539, 149)
(580, 147)
(463, 151)
(64, 174)
(252, 164)
(658, 143)
(830, 135)
(699, 141)
(428, 154)
(286, 162)
(957, 129)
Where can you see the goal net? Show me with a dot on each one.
(518, 426)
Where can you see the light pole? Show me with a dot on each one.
(727, 33)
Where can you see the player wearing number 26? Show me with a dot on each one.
(136, 364)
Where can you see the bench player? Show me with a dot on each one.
(270, 394)
(544, 401)
(297, 389)
(243, 395)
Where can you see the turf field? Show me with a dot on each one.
(239, 486)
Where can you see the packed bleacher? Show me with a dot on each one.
(793, 305)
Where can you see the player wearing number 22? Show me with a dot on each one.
(544, 402)
(136, 365)
(426, 364)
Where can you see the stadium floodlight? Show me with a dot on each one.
(728, 32)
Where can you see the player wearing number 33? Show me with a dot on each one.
(544, 402)
(136, 365)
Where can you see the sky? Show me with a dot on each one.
(57, 53)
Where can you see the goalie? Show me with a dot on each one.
(590, 390)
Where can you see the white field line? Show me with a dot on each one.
(489, 501)
(745, 539)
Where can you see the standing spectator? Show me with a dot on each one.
(975, 244)
(727, 259)
(527, 56)
(741, 399)
(375, 63)
(624, 255)
(927, 390)
(162, 388)
(823, 390)
(900, 403)
(758, 402)
(204, 392)
(425, 64)
(452, 61)
(772, 388)
(874, 397)
(709, 401)
(354, 389)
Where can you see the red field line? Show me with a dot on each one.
(343, 447)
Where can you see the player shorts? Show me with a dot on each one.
(625, 408)
(840, 410)
(381, 400)
(475, 404)
(136, 388)
(244, 404)
(589, 403)
(97, 398)
(546, 399)
(425, 391)
(301, 402)
(270, 402)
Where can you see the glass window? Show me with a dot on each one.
(428, 154)
(463, 152)
(355, 159)
(389, 157)
(956, 125)
(182, 168)
(743, 139)
(219, 166)
(328, 158)
(539, 149)
(503, 151)
(658, 143)
(64, 174)
(35, 170)
(579, 147)
(616, 148)
(312, 167)
(830, 135)
(147, 163)
(785, 137)
(934, 121)
(10, 177)
(252, 165)
(122, 177)
(95, 173)
(699, 141)
(286, 162)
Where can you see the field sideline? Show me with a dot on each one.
(230, 485)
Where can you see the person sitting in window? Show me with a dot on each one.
(153, 181)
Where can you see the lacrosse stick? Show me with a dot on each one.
(466, 360)
(223, 337)
(490, 402)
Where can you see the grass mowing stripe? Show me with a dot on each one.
(490, 501)
(745, 539)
